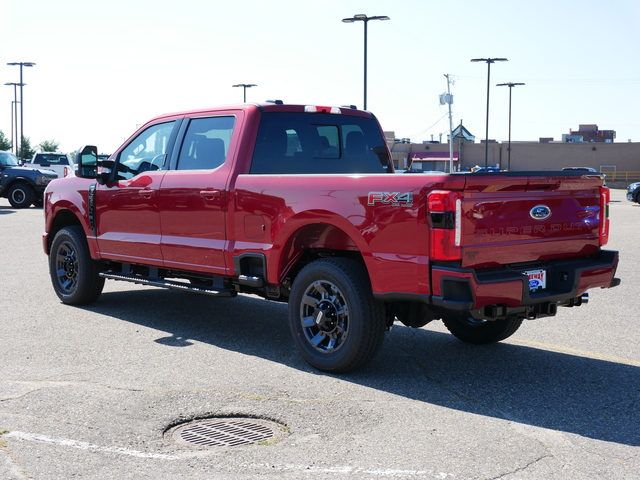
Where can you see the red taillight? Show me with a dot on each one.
(442, 200)
(66, 171)
(444, 211)
(605, 197)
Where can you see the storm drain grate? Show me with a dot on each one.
(227, 432)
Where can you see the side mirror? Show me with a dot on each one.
(87, 161)
(89, 165)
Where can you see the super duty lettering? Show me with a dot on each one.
(300, 204)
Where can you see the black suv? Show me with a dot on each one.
(21, 185)
(633, 192)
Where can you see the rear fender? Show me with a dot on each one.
(317, 236)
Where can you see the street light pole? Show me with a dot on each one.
(449, 100)
(510, 85)
(244, 87)
(22, 64)
(14, 105)
(486, 142)
(363, 18)
(14, 117)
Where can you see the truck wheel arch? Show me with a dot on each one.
(309, 242)
(64, 218)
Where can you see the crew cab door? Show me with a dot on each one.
(194, 195)
(127, 215)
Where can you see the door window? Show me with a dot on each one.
(145, 152)
(206, 143)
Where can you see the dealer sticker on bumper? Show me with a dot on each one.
(537, 279)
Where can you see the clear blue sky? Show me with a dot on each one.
(102, 68)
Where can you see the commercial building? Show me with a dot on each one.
(619, 161)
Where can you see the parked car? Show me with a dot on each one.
(22, 186)
(633, 192)
(428, 172)
(583, 169)
(60, 163)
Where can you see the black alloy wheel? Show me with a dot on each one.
(335, 322)
(74, 274)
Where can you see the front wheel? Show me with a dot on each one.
(335, 322)
(74, 274)
(471, 330)
(21, 195)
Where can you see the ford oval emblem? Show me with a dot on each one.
(540, 212)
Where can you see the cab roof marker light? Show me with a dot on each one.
(318, 109)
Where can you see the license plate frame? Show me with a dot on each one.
(537, 279)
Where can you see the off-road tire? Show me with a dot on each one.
(21, 195)
(335, 322)
(74, 274)
(481, 332)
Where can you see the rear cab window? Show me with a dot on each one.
(303, 143)
(51, 159)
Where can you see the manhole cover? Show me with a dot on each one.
(226, 432)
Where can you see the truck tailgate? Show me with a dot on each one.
(519, 219)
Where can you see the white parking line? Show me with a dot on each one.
(385, 472)
(346, 470)
(64, 442)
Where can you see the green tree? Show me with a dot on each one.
(26, 152)
(5, 143)
(49, 146)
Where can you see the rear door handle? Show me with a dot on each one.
(146, 192)
(210, 194)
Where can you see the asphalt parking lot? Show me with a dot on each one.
(90, 393)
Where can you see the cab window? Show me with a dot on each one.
(206, 143)
(300, 143)
(145, 152)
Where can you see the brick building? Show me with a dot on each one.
(590, 133)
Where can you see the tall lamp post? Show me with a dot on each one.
(363, 18)
(22, 64)
(244, 87)
(510, 85)
(489, 62)
(14, 127)
(14, 117)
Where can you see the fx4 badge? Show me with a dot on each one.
(391, 198)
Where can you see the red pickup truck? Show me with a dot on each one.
(300, 204)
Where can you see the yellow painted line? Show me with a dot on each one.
(580, 353)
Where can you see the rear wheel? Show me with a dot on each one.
(74, 274)
(471, 330)
(21, 195)
(336, 323)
